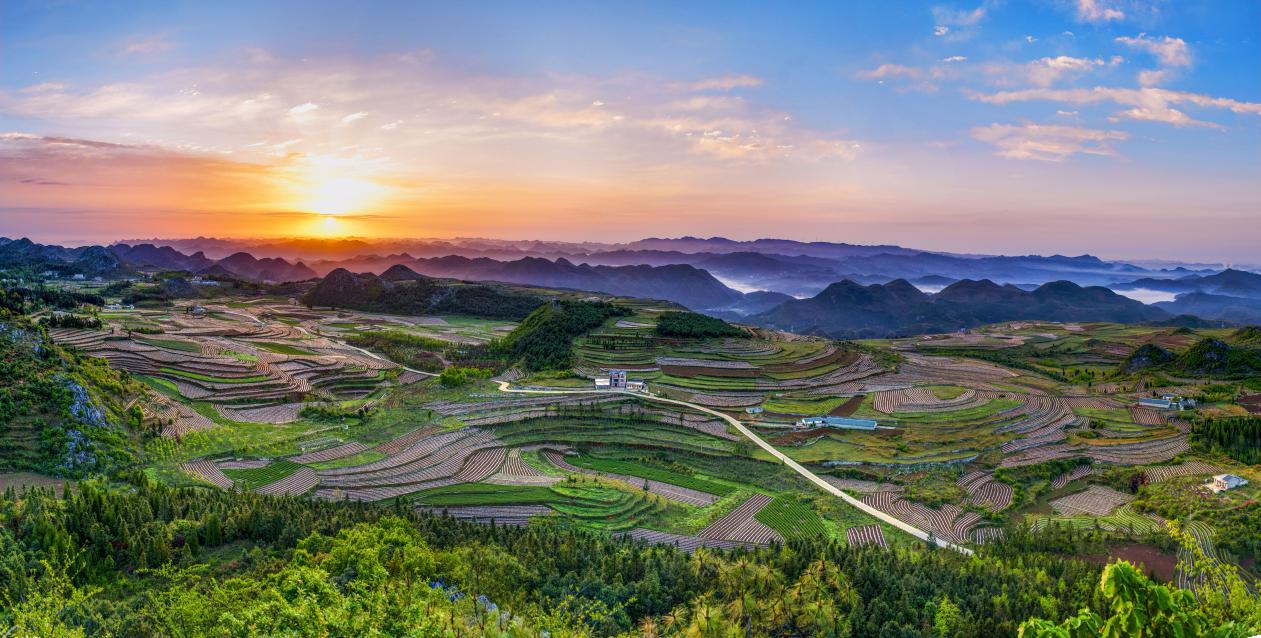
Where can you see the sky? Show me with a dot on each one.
(1120, 128)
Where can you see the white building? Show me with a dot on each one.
(636, 385)
(1223, 482)
(602, 383)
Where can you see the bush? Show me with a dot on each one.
(454, 376)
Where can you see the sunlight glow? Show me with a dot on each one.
(343, 195)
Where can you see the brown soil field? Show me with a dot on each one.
(849, 407)
(843, 356)
(19, 480)
(1153, 561)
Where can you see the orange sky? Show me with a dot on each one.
(995, 130)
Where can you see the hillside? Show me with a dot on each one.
(847, 309)
(424, 295)
(61, 414)
(544, 340)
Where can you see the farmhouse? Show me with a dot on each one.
(757, 409)
(602, 383)
(1159, 404)
(617, 379)
(1223, 482)
(636, 385)
(837, 422)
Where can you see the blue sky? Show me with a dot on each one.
(1117, 127)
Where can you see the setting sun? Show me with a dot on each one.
(343, 195)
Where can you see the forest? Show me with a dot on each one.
(143, 559)
(1237, 437)
(694, 325)
(544, 340)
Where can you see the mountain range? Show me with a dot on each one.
(123, 259)
(1230, 295)
(850, 310)
(850, 301)
(796, 268)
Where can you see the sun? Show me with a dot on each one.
(340, 196)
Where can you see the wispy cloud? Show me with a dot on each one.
(1172, 53)
(260, 97)
(1048, 143)
(727, 83)
(891, 71)
(145, 45)
(1147, 104)
(1098, 11)
(1169, 50)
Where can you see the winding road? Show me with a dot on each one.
(740, 427)
(796, 467)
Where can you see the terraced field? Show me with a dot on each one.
(235, 384)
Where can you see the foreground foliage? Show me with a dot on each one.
(142, 559)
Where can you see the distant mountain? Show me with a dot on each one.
(124, 259)
(680, 283)
(1207, 306)
(791, 267)
(160, 257)
(423, 295)
(1229, 282)
(847, 309)
(275, 269)
(90, 261)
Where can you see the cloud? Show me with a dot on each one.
(1048, 143)
(1171, 52)
(958, 24)
(1147, 104)
(1047, 71)
(952, 17)
(891, 71)
(1098, 11)
(955, 58)
(146, 45)
(726, 83)
(458, 116)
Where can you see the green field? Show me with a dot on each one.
(632, 468)
(170, 344)
(257, 477)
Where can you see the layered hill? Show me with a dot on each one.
(417, 294)
(1229, 282)
(124, 259)
(846, 309)
(680, 283)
